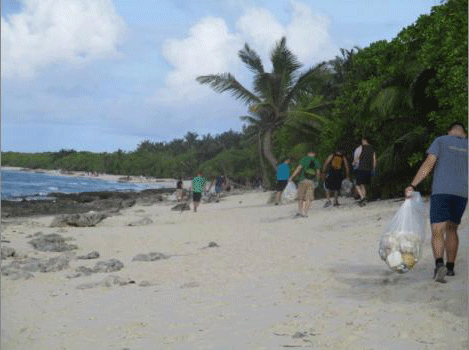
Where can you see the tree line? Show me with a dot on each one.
(400, 93)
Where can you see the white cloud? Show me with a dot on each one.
(260, 29)
(58, 31)
(210, 47)
(308, 34)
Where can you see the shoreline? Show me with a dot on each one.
(105, 177)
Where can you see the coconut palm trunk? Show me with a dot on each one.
(265, 177)
(268, 149)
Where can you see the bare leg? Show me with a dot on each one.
(451, 241)
(300, 206)
(363, 189)
(336, 196)
(306, 207)
(359, 191)
(438, 239)
(278, 197)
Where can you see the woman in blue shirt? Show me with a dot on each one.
(283, 173)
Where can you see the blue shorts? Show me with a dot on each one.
(446, 207)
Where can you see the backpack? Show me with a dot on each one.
(336, 162)
(310, 171)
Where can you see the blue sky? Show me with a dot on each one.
(102, 75)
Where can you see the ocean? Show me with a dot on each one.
(31, 185)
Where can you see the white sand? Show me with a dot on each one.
(274, 282)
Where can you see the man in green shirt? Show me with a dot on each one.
(308, 170)
(198, 186)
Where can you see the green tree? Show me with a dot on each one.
(273, 92)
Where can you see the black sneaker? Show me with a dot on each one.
(440, 273)
(328, 204)
(336, 204)
(450, 273)
(361, 202)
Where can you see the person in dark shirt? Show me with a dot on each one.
(364, 163)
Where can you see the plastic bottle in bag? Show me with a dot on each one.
(401, 243)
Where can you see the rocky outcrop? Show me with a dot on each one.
(51, 243)
(108, 266)
(23, 268)
(7, 252)
(79, 220)
(79, 203)
(92, 255)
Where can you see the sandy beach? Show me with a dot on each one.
(238, 274)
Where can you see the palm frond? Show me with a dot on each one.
(283, 60)
(251, 59)
(301, 83)
(226, 82)
(401, 148)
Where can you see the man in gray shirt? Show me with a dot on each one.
(447, 156)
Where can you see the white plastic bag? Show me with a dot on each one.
(289, 193)
(401, 243)
(347, 187)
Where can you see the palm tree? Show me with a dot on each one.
(273, 92)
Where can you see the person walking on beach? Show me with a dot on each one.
(364, 163)
(447, 157)
(219, 182)
(283, 172)
(198, 186)
(334, 166)
(308, 170)
(179, 190)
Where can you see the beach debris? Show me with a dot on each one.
(92, 255)
(7, 252)
(51, 243)
(142, 222)
(181, 207)
(108, 266)
(401, 244)
(79, 220)
(150, 257)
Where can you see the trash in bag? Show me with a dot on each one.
(401, 243)
(347, 187)
(289, 193)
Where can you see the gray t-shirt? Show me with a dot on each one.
(450, 173)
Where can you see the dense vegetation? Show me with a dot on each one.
(401, 94)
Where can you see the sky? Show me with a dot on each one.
(103, 75)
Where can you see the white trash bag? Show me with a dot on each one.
(289, 193)
(347, 187)
(401, 243)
